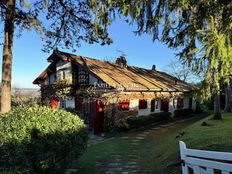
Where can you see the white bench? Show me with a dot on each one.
(204, 162)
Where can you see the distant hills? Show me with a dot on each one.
(26, 91)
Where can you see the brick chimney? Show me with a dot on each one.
(121, 61)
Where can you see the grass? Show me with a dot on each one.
(160, 148)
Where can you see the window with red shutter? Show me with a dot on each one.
(124, 104)
(143, 104)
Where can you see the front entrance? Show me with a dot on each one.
(164, 104)
(97, 115)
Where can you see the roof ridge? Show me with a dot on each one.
(95, 59)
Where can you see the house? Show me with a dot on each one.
(133, 90)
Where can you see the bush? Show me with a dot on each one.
(24, 101)
(136, 122)
(181, 112)
(40, 140)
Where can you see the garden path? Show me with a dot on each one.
(117, 165)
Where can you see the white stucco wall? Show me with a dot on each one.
(172, 104)
(186, 102)
(134, 104)
(194, 105)
(146, 111)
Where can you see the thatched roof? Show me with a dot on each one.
(130, 78)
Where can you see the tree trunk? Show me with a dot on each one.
(217, 107)
(7, 56)
(228, 99)
(217, 103)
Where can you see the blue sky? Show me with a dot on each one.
(29, 61)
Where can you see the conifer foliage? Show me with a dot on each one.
(201, 31)
(59, 23)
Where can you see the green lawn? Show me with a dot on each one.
(160, 148)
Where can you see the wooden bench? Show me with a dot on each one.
(204, 162)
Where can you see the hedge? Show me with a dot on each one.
(40, 140)
(136, 122)
(181, 112)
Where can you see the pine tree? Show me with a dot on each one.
(201, 30)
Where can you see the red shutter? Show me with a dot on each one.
(180, 103)
(165, 104)
(153, 105)
(78, 104)
(124, 104)
(54, 103)
(142, 104)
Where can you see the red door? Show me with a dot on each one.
(164, 104)
(78, 104)
(54, 103)
(97, 114)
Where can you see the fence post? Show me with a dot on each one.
(183, 156)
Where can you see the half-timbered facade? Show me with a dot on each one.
(134, 90)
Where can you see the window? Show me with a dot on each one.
(157, 104)
(63, 75)
(62, 104)
(143, 104)
(60, 75)
(180, 103)
(83, 77)
(80, 76)
(174, 102)
(124, 104)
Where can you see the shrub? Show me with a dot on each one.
(136, 122)
(181, 112)
(40, 140)
(24, 101)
